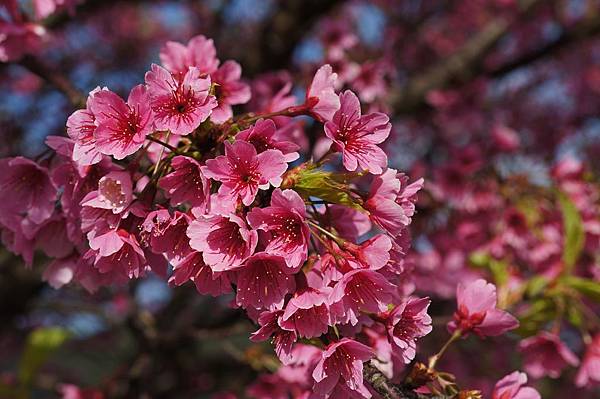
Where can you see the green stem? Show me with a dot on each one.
(434, 359)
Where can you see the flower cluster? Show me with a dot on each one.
(169, 177)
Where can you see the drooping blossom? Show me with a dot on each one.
(358, 136)
(320, 96)
(359, 291)
(307, 312)
(128, 260)
(180, 106)
(114, 193)
(342, 362)
(589, 372)
(229, 90)
(513, 386)
(477, 311)
(200, 52)
(263, 135)
(207, 281)
(26, 189)
(242, 171)
(405, 324)
(263, 281)
(283, 338)
(186, 183)
(545, 354)
(166, 234)
(225, 241)
(60, 272)
(121, 126)
(285, 224)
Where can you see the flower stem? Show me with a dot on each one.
(166, 145)
(162, 150)
(434, 359)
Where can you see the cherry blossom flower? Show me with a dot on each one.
(26, 189)
(242, 171)
(320, 96)
(357, 136)
(477, 311)
(358, 291)
(81, 126)
(263, 281)
(207, 281)
(179, 106)
(283, 338)
(589, 372)
(263, 135)
(114, 192)
(405, 324)
(512, 387)
(285, 224)
(200, 52)
(186, 183)
(307, 312)
(128, 260)
(225, 241)
(121, 126)
(342, 361)
(545, 354)
(229, 90)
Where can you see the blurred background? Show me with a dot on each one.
(494, 102)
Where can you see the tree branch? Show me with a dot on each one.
(587, 28)
(460, 66)
(389, 390)
(55, 78)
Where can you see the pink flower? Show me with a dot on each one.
(320, 96)
(545, 354)
(121, 126)
(114, 192)
(186, 183)
(357, 136)
(285, 224)
(405, 324)
(128, 260)
(60, 272)
(477, 311)
(307, 313)
(263, 281)
(512, 387)
(283, 338)
(242, 172)
(225, 241)
(193, 268)
(342, 362)
(589, 372)
(167, 234)
(25, 189)
(358, 291)
(372, 254)
(391, 201)
(179, 106)
(229, 90)
(265, 136)
(81, 126)
(200, 52)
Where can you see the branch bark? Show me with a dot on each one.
(389, 390)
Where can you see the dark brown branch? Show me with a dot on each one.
(460, 66)
(587, 28)
(55, 78)
(389, 390)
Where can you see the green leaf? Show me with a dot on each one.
(589, 288)
(328, 186)
(539, 313)
(41, 343)
(536, 285)
(573, 230)
(499, 271)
